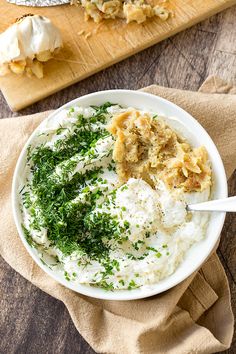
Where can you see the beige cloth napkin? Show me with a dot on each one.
(193, 317)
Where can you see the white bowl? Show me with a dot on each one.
(197, 136)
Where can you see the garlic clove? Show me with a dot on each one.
(44, 56)
(161, 12)
(4, 69)
(18, 67)
(37, 69)
(28, 72)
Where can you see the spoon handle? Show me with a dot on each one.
(227, 204)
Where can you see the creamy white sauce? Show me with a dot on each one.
(159, 224)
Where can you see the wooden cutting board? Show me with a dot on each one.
(100, 46)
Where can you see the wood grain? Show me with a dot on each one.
(109, 43)
(32, 322)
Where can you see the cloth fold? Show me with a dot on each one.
(193, 317)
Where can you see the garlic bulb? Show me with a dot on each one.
(30, 41)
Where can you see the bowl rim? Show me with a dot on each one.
(88, 291)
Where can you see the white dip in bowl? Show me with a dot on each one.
(96, 234)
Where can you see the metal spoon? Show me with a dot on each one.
(227, 204)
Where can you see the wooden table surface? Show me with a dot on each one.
(33, 322)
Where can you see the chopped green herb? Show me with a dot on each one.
(124, 188)
(66, 275)
(132, 285)
(152, 249)
(105, 285)
(126, 224)
(44, 263)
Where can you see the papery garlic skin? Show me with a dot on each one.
(32, 38)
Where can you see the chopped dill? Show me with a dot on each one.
(132, 285)
(121, 281)
(69, 203)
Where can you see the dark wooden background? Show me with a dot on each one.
(32, 322)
